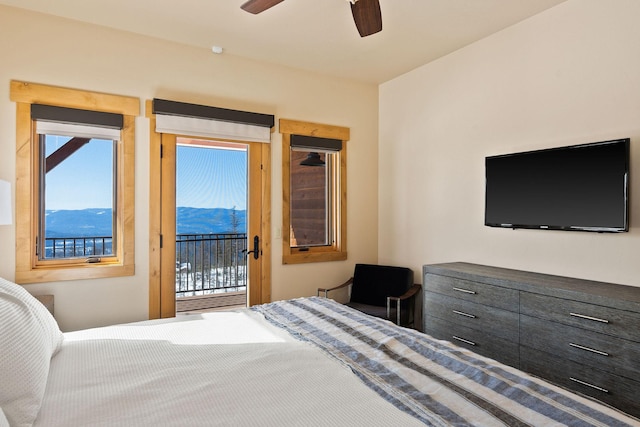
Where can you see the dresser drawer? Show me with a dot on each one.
(606, 320)
(562, 325)
(491, 320)
(618, 391)
(477, 341)
(480, 293)
(605, 352)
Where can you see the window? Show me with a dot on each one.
(251, 129)
(310, 198)
(314, 192)
(74, 186)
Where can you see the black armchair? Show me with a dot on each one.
(382, 291)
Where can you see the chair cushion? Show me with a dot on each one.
(374, 310)
(372, 284)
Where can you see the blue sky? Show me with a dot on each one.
(211, 178)
(206, 177)
(84, 179)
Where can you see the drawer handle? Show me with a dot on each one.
(466, 291)
(583, 316)
(592, 350)
(604, 390)
(463, 340)
(464, 314)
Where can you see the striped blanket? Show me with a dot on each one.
(435, 381)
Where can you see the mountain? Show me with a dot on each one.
(78, 223)
(210, 221)
(97, 222)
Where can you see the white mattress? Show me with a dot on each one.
(226, 368)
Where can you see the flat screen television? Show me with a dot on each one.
(578, 188)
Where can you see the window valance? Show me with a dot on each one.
(212, 122)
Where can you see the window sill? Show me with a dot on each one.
(76, 272)
(305, 257)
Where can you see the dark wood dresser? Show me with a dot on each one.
(580, 334)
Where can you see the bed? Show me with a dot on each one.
(307, 361)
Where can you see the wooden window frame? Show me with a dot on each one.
(28, 268)
(337, 251)
(162, 217)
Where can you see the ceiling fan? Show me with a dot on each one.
(366, 13)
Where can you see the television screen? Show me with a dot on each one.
(581, 187)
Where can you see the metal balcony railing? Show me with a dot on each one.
(205, 263)
(77, 247)
(210, 263)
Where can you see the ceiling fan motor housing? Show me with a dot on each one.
(366, 13)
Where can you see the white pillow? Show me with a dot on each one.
(3, 420)
(29, 338)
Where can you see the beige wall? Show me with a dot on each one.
(569, 75)
(60, 52)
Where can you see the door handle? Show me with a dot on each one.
(256, 248)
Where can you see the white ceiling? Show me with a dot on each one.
(316, 35)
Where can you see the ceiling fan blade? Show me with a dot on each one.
(367, 16)
(257, 6)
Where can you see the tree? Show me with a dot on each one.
(235, 221)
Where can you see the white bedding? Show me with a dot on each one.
(303, 362)
(225, 368)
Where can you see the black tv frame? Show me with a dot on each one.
(566, 227)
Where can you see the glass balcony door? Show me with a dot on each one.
(211, 224)
(213, 199)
